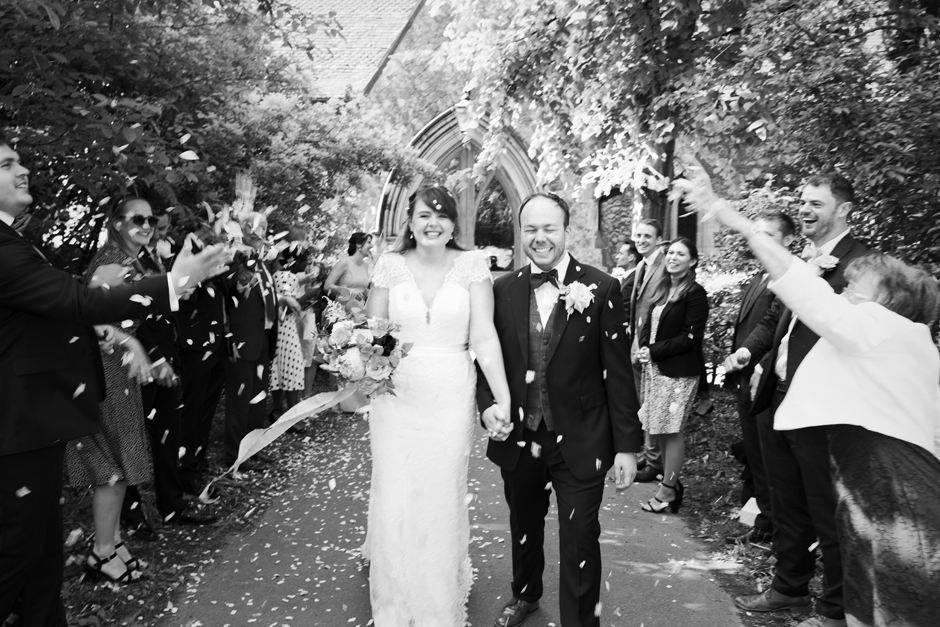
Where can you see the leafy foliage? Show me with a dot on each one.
(111, 97)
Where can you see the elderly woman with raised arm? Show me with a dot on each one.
(874, 380)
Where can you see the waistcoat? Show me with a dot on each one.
(537, 406)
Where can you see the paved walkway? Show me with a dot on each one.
(300, 566)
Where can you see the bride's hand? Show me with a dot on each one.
(498, 425)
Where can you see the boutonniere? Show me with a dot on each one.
(577, 296)
(824, 263)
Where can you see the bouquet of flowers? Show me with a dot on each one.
(360, 351)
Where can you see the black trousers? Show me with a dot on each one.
(203, 381)
(162, 413)
(753, 449)
(527, 490)
(31, 553)
(245, 381)
(804, 506)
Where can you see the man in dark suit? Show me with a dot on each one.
(797, 461)
(648, 236)
(574, 411)
(755, 303)
(627, 259)
(51, 380)
(252, 312)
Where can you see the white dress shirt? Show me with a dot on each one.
(546, 295)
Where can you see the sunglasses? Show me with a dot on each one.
(139, 221)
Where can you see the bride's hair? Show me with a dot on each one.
(439, 199)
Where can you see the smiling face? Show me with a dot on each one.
(14, 183)
(431, 228)
(822, 216)
(366, 247)
(133, 235)
(679, 261)
(543, 232)
(646, 239)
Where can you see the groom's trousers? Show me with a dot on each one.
(528, 487)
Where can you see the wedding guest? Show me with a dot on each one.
(348, 282)
(200, 322)
(647, 236)
(627, 259)
(162, 400)
(287, 367)
(252, 312)
(671, 351)
(51, 380)
(350, 278)
(755, 302)
(870, 383)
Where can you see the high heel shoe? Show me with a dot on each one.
(93, 571)
(656, 506)
(133, 563)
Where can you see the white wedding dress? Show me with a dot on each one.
(418, 533)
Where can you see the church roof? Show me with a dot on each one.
(371, 30)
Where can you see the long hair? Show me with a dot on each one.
(116, 214)
(356, 241)
(439, 199)
(661, 292)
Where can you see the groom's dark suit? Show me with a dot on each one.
(593, 408)
(51, 381)
(797, 461)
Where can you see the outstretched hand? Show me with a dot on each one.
(190, 270)
(697, 193)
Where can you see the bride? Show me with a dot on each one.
(419, 528)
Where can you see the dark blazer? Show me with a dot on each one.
(157, 332)
(51, 378)
(640, 298)
(591, 389)
(200, 321)
(764, 340)
(247, 314)
(678, 346)
(755, 303)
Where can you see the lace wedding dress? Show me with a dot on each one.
(419, 529)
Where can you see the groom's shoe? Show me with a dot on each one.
(515, 612)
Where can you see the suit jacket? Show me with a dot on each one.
(626, 290)
(755, 303)
(200, 321)
(680, 334)
(157, 332)
(51, 378)
(247, 314)
(640, 298)
(591, 390)
(764, 340)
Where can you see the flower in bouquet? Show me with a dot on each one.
(350, 365)
(379, 368)
(334, 311)
(362, 337)
(342, 333)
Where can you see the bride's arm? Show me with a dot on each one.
(485, 343)
(377, 305)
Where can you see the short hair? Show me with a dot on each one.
(555, 198)
(631, 248)
(437, 198)
(840, 186)
(356, 241)
(4, 141)
(787, 225)
(908, 291)
(653, 222)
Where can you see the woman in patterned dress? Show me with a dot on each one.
(287, 367)
(671, 349)
(120, 455)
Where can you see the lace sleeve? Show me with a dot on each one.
(385, 273)
(476, 268)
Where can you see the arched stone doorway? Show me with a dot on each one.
(511, 178)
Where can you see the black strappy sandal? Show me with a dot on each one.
(93, 571)
(655, 506)
(133, 563)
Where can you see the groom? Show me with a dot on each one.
(573, 415)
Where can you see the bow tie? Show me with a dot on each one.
(540, 279)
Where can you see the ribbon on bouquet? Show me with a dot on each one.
(260, 438)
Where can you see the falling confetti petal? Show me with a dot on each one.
(529, 376)
(23, 492)
(598, 463)
(813, 546)
(332, 484)
(79, 390)
(558, 439)
(260, 397)
(140, 298)
(73, 340)
(522, 541)
(536, 450)
(183, 281)
(598, 608)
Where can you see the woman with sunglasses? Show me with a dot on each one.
(120, 455)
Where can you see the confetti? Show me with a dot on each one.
(598, 463)
(522, 541)
(74, 536)
(140, 298)
(183, 281)
(73, 340)
(558, 439)
(598, 608)
(23, 492)
(260, 397)
(529, 376)
(813, 546)
(536, 450)
(332, 484)
(548, 486)
(78, 390)
(182, 452)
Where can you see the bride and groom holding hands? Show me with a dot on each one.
(553, 385)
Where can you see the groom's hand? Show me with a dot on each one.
(624, 470)
(498, 425)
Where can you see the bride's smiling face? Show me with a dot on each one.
(430, 227)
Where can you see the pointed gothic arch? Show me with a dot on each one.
(441, 143)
